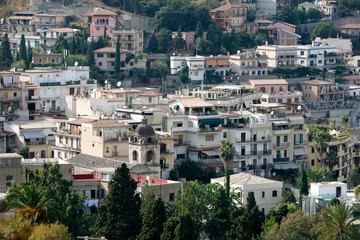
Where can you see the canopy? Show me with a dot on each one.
(33, 134)
(214, 121)
(300, 151)
(286, 166)
(211, 153)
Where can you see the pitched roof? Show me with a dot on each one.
(351, 25)
(193, 102)
(264, 21)
(79, 121)
(109, 50)
(150, 94)
(100, 12)
(267, 81)
(63, 30)
(228, 6)
(317, 82)
(246, 179)
(10, 155)
(288, 24)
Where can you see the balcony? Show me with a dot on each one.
(33, 98)
(208, 130)
(51, 23)
(282, 145)
(180, 142)
(165, 151)
(48, 84)
(279, 160)
(281, 131)
(33, 112)
(72, 82)
(211, 161)
(239, 140)
(10, 99)
(243, 155)
(264, 152)
(127, 40)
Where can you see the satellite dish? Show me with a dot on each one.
(106, 81)
(272, 112)
(173, 54)
(181, 96)
(218, 102)
(118, 84)
(76, 63)
(36, 154)
(211, 55)
(148, 178)
(238, 51)
(48, 52)
(299, 108)
(34, 159)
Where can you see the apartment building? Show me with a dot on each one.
(150, 99)
(44, 89)
(342, 144)
(249, 63)
(129, 39)
(229, 16)
(269, 27)
(269, 85)
(351, 30)
(100, 21)
(322, 94)
(105, 60)
(353, 64)
(279, 56)
(21, 23)
(10, 95)
(50, 36)
(44, 58)
(51, 20)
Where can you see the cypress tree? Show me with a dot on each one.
(117, 59)
(253, 215)
(29, 56)
(120, 213)
(199, 30)
(304, 184)
(23, 49)
(7, 57)
(153, 216)
(179, 42)
(90, 54)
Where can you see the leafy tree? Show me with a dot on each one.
(31, 201)
(25, 152)
(314, 14)
(153, 46)
(179, 42)
(185, 228)
(90, 54)
(82, 61)
(357, 192)
(353, 179)
(337, 223)
(324, 30)
(60, 44)
(184, 74)
(204, 47)
(117, 59)
(152, 8)
(191, 171)
(160, 69)
(304, 184)
(287, 196)
(319, 175)
(23, 54)
(139, 73)
(219, 222)
(169, 228)
(174, 175)
(289, 15)
(19, 64)
(120, 213)
(6, 56)
(153, 216)
(199, 32)
(164, 39)
(15, 227)
(240, 229)
(344, 119)
(53, 231)
(278, 212)
(334, 201)
(227, 152)
(250, 15)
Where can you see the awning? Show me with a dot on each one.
(33, 134)
(300, 151)
(211, 153)
(214, 121)
(279, 123)
(297, 120)
(286, 166)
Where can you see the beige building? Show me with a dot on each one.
(131, 40)
(319, 93)
(249, 64)
(105, 60)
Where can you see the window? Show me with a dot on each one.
(312, 149)
(312, 162)
(177, 124)
(53, 60)
(210, 138)
(107, 149)
(285, 153)
(171, 197)
(131, 64)
(285, 138)
(263, 194)
(15, 94)
(100, 55)
(97, 29)
(224, 134)
(320, 61)
(100, 63)
(135, 156)
(274, 193)
(9, 178)
(302, 53)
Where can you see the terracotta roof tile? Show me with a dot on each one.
(228, 6)
(351, 25)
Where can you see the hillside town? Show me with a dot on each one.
(159, 120)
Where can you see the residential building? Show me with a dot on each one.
(307, 6)
(196, 68)
(351, 30)
(130, 39)
(106, 138)
(229, 16)
(269, 27)
(343, 45)
(342, 145)
(218, 64)
(154, 116)
(21, 23)
(105, 60)
(249, 63)
(328, 190)
(51, 20)
(287, 38)
(322, 94)
(279, 56)
(267, 192)
(44, 58)
(290, 98)
(44, 89)
(150, 99)
(37, 135)
(330, 8)
(269, 85)
(352, 79)
(12, 168)
(10, 95)
(352, 92)
(32, 40)
(189, 38)
(353, 64)
(50, 36)
(100, 21)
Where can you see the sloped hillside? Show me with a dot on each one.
(9, 6)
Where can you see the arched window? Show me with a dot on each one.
(135, 156)
(149, 156)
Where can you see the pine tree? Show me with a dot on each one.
(153, 216)
(185, 229)
(253, 215)
(117, 59)
(23, 49)
(7, 57)
(153, 45)
(29, 56)
(90, 54)
(199, 30)
(179, 42)
(121, 210)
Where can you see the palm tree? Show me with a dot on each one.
(319, 174)
(32, 202)
(331, 159)
(227, 152)
(338, 223)
(320, 137)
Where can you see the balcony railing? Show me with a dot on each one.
(48, 84)
(180, 142)
(264, 152)
(206, 130)
(282, 145)
(277, 160)
(33, 98)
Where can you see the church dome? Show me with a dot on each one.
(144, 129)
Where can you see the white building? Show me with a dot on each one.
(279, 56)
(267, 192)
(150, 99)
(49, 36)
(31, 40)
(353, 64)
(328, 190)
(353, 91)
(249, 64)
